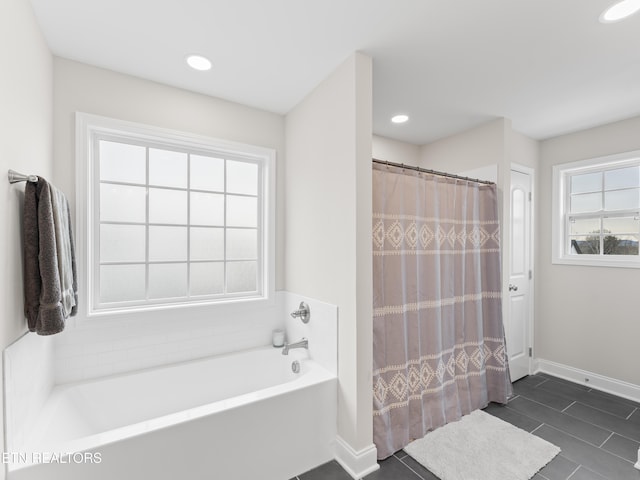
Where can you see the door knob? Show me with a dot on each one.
(513, 288)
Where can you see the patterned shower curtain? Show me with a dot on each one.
(439, 345)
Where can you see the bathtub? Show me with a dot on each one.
(240, 416)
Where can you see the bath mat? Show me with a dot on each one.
(482, 447)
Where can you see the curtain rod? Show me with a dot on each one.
(432, 172)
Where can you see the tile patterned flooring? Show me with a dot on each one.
(599, 434)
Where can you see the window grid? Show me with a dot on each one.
(601, 214)
(148, 262)
(147, 278)
(189, 227)
(224, 237)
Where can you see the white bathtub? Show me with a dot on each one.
(239, 416)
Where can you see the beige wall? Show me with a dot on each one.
(524, 150)
(478, 147)
(395, 151)
(328, 218)
(586, 317)
(25, 144)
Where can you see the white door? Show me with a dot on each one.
(517, 325)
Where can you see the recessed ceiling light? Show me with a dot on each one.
(620, 11)
(400, 118)
(198, 62)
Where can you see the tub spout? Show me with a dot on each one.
(304, 343)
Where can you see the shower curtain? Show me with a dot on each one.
(439, 346)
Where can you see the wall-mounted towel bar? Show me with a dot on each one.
(15, 177)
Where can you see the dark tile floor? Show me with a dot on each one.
(599, 434)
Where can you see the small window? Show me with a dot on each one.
(597, 212)
(174, 219)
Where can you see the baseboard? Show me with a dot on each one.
(593, 380)
(358, 464)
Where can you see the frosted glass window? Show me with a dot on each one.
(122, 243)
(207, 243)
(121, 162)
(242, 177)
(167, 244)
(586, 182)
(207, 278)
(122, 283)
(586, 202)
(167, 168)
(242, 211)
(242, 244)
(171, 218)
(167, 206)
(207, 209)
(241, 277)
(207, 173)
(622, 199)
(622, 178)
(122, 203)
(168, 280)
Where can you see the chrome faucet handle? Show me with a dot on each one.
(303, 313)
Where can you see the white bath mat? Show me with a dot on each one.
(482, 447)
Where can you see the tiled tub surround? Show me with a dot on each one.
(209, 414)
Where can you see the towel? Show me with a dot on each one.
(43, 305)
(65, 250)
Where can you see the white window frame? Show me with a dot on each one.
(560, 204)
(91, 127)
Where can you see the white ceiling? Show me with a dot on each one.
(548, 65)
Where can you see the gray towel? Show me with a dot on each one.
(65, 250)
(42, 286)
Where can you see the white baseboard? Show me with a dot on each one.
(358, 464)
(590, 379)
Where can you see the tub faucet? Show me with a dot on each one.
(304, 343)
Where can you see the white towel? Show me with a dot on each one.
(62, 224)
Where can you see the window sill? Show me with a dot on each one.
(596, 262)
(170, 313)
